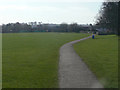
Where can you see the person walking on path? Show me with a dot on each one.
(93, 36)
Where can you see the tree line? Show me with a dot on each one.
(108, 16)
(24, 27)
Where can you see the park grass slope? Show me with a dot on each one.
(30, 60)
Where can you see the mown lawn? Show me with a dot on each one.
(101, 56)
(0, 60)
(30, 60)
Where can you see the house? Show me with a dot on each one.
(103, 31)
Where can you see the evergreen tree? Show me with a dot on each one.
(108, 16)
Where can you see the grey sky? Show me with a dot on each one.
(49, 11)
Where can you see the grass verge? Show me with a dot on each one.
(101, 56)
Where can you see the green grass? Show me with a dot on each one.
(30, 60)
(101, 56)
(0, 60)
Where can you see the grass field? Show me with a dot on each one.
(0, 60)
(101, 56)
(30, 60)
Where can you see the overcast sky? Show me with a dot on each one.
(49, 11)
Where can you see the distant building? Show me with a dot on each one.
(53, 25)
(85, 27)
(33, 24)
(104, 31)
(39, 23)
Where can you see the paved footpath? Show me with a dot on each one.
(73, 72)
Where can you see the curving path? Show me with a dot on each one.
(73, 72)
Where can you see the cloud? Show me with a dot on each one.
(48, 1)
(66, 11)
(47, 13)
(65, 1)
(8, 7)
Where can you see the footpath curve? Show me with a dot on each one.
(73, 72)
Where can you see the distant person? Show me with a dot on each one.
(93, 36)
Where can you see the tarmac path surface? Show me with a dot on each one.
(73, 72)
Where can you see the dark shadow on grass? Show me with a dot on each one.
(103, 37)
